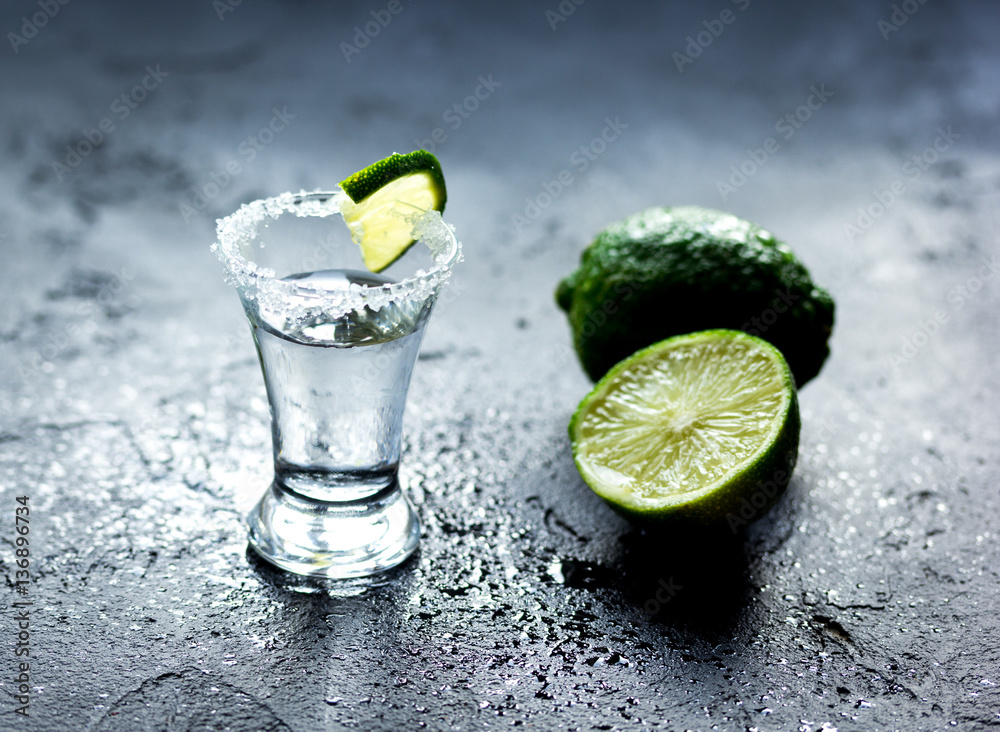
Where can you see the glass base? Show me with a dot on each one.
(334, 540)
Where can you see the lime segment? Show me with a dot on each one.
(690, 427)
(385, 200)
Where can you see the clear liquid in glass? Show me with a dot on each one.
(337, 390)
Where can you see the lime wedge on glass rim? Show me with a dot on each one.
(385, 199)
(701, 427)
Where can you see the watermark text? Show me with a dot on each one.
(580, 160)
(21, 607)
(48, 9)
(786, 127)
(457, 113)
(911, 171)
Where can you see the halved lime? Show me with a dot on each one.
(385, 199)
(701, 427)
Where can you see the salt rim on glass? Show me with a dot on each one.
(284, 302)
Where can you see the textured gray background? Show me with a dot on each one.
(132, 411)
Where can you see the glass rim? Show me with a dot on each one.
(262, 283)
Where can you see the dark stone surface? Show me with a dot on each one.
(133, 414)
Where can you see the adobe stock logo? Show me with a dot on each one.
(48, 9)
(581, 159)
(697, 44)
(763, 495)
(910, 172)
(785, 126)
(122, 107)
(225, 6)
(363, 36)
(900, 14)
(561, 14)
(958, 297)
(668, 589)
(757, 326)
(457, 113)
(247, 150)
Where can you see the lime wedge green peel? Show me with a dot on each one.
(701, 427)
(385, 198)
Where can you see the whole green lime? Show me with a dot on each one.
(668, 271)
